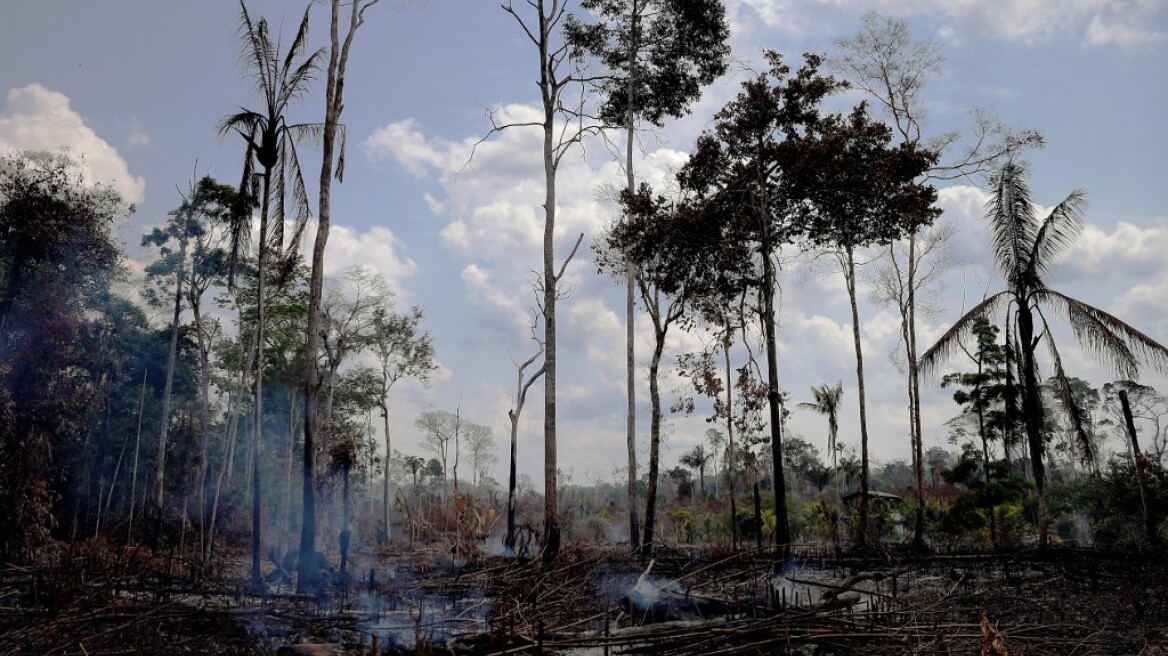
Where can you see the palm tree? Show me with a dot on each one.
(697, 459)
(1024, 250)
(271, 142)
(827, 402)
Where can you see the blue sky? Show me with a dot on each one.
(137, 86)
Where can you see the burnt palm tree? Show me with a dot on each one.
(271, 143)
(1025, 247)
(827, 402)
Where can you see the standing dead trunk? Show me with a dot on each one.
(730, 445)
(386, 533)
(654, 439)
(850, 276)
(164, 429)
(1141, 463)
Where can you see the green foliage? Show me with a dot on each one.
(1105, 510)
(57, 258)
(659, 53)
(966, 521)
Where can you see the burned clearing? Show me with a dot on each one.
(599, 600)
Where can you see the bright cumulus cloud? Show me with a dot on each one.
(36, 118)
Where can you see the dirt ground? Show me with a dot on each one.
(595, 600)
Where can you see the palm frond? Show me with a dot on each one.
(958, 334)
(239, 227)
(245, 123)
(297, 46)
(1067, 396)
(1121, 346)
(1059, 230)
(1011, 222)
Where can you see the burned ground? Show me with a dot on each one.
(594, 600)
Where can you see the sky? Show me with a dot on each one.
(136, 87)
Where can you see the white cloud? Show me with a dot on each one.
(138, 137)
(1124, 23)
(377, 248)
(36, 118)
(1133, 249)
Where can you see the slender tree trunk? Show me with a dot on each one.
(346, 513)
(388, 456)
(630, 301)
(1032, 414)
(164, 429)
(257, 428)
(782, 528)
(1140, 463)
(334, 95)
(914, 394)
(654, 436)
(850, 275)
(204, 421)
(551, 525)
(509, 539)
(730, 471)
(137, 444)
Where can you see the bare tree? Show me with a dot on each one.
(882, 60)
(563, 128)
(523, 382)
(333, 145)
(480, 445)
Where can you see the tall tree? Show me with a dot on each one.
(884, 61)
(204, 208)
(735, 174)
(658, 240)
(658, 54)
(555, 76)
(271, 142)
(181, 227)
(332, 152)
(827, 403)
(861, 192)
(403, 350)
(1025, 248)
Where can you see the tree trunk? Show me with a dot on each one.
(1140, 462)
(346, 512)
(551, 525)
(850, 276)
(729, 467)
(257, 428)
(334, 93)
(385, 487)
(1032, 414)
(985, 451)
(654, 437)
(782, 529)
(914, 395)
(509, 539)
(630, 304)
(164, 429)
